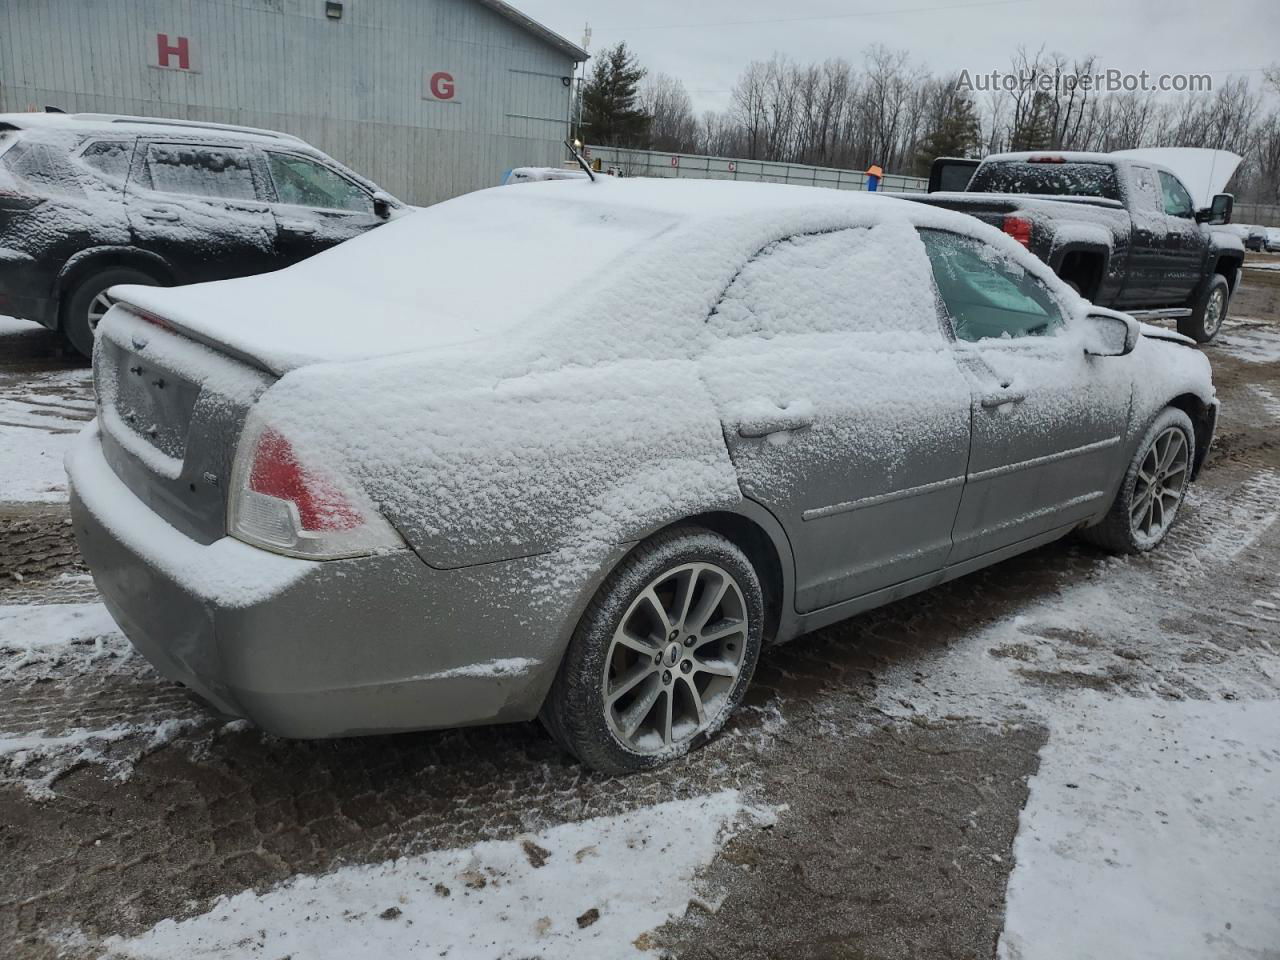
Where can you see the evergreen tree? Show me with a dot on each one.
(611, 112)
(957, 133)
(1034, 129)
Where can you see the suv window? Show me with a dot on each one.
(1177, 202)
(202, 171)
(838, 282)
(987, 295)
(45, 167)
(109, 157)
(305, 183)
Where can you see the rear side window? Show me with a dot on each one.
(45, 167)
(225, 173)
(861, 280)
(1052, 179)
(305, 183)
(1148, 195)
(109, 157)
(987, 295)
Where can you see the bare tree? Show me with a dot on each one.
(672, 125)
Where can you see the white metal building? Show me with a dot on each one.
(429, 98)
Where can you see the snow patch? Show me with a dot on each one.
(579, 890)
(1150, 832)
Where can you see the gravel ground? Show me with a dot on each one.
(897, 747)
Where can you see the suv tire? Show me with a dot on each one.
(82, 303)
(673, 682)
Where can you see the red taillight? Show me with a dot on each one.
(154, 320)
(1046, 159)
(277, 473)
(1019, 228)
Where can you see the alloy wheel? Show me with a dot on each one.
(98, 308)
(1158, 488)
(1214, 311)
(675, 657)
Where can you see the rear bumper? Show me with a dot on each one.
(309, 649)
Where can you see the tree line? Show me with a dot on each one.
(889, 110)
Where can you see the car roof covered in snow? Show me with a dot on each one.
(503, 262)
(83, 124)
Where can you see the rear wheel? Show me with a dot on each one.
(662, 656)
(1208, 312)
(86, 303)
(1153, 489)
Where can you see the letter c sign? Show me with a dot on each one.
(441, 85)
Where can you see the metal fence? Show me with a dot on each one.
(650, 163)
(1262, 214)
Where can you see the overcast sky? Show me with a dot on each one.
(707, 42)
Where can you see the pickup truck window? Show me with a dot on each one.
(1177, 202)
(986, 295)
(1053, 179)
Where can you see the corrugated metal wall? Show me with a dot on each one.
(358, 88)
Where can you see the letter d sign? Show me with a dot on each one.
(441, 85)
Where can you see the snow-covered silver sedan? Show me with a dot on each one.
(579, 450)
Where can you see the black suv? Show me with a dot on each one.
(88, 201)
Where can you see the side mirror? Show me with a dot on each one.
(1110, 335)
(1219, 212)
(382, 205)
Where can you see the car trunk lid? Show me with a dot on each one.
(171, 412)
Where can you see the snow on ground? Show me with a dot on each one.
(36, 636)
(1262, 266)
(11, 325)
(591, 889)
(1150, 832)
(40, 414)
(58, 643)
(1252, 346)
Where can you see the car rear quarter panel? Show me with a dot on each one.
(475, 470)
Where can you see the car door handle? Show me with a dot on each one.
(1000, 399)
(782, 422)
(298, 227)
(160, 213)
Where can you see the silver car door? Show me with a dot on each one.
(1048, 421)
(844, 410)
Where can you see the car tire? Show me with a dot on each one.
(81, 303)
(1208, 312)
(617, 662)
(1153, 488)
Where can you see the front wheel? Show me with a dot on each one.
(1153, 489)
(1208, 312)
(662, 655)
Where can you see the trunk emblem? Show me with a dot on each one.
(139, 343)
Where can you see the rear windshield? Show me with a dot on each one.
(1054, 179)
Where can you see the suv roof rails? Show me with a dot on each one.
(195, 124)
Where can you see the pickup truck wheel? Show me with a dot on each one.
(1153, 488)
(85, 303)
(1209, 311)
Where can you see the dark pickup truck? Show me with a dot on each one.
(1123, 232)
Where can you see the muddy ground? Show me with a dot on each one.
(899, 795)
